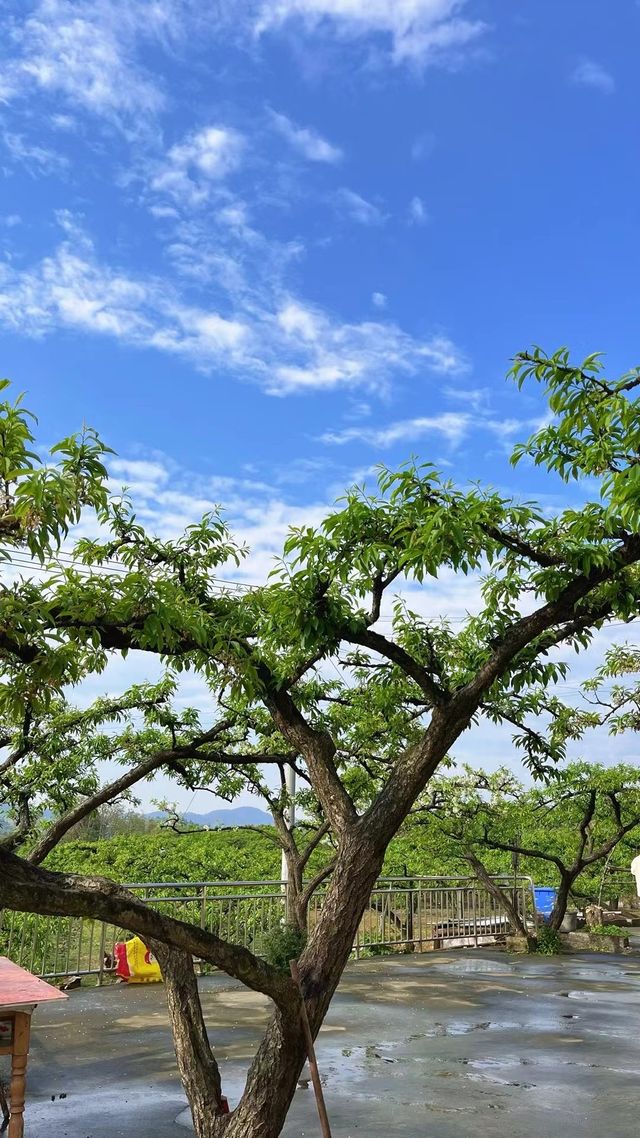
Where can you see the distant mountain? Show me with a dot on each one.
(227, 816)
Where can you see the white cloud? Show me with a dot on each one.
(72, 289)
(142, 477)
(164, 212)
(203, 158)
(418, 31)
(36, 158)
(87, 54)
(306, 140)
(10, 220)
(286, 345)
(478, 398)
(294, 319)
(417, 212)
(588, 73)
(152, 473)
(358, 208)
(453, 426)
(450, 425)
(93, 55)
(64, 122)
(378, 300)
(357, 355)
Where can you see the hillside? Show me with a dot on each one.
(226, 816)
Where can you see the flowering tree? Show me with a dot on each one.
(559, 831)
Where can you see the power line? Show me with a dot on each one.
(65, 561)
(118, 568)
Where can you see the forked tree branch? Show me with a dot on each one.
(376, 642)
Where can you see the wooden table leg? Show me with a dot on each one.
(21, 1033)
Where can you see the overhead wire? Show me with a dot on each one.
(65, 561)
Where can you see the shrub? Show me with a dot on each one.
(548, 942)
(282, 944)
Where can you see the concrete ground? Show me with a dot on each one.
(446, 1044)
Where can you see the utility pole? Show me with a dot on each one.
(290, 819)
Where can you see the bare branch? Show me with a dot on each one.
(17, 836)
(524, 548)
(585, 822)
(508, 847)
(317, 747)
(320, 833)
(311, 886)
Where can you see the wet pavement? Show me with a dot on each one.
(445, 1044)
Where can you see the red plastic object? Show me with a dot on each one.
(122, 964)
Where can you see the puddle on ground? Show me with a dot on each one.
(489, 1062)
(473, 967)
(618, 994)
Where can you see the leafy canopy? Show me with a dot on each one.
(334, 656)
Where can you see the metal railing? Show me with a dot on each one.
(403, 914)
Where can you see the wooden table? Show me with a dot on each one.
(20, 992)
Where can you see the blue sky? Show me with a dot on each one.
(265, 245)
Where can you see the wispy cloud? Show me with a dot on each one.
(37, 159)
(479, 398)
(286, 346)
(350, 355)
(88, 55)
(93, 55)
(358, 208)
(201, 160)
(417, 31)
(417, 212)
(73, 289)
(588, 73)
(306, 140)
(378, 300)
(452, 426)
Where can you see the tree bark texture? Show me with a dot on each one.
(197, 1066)
(275, 1070)
(562, 900)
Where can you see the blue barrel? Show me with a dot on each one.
(545, 900)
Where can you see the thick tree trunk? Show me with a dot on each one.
(272, 1079)
(198, 1069)
(273, 1075)
(562, 900)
